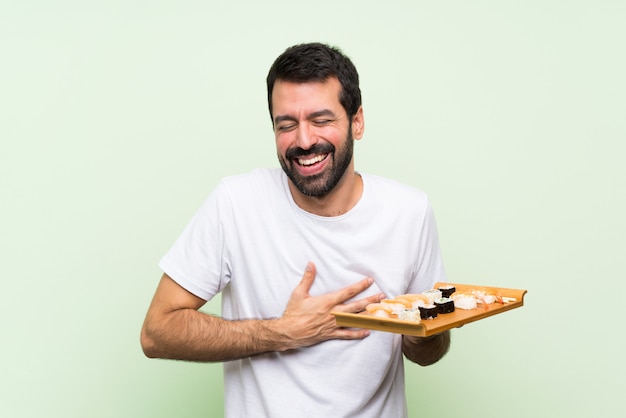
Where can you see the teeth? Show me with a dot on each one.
(311, 161)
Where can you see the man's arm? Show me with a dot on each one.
(426, 350)
(175, 329)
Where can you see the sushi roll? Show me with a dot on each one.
(428, 311)
(409, 315)
(444, 305)
(446, 291)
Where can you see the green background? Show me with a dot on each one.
(117, 118)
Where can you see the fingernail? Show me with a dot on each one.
(309, 267)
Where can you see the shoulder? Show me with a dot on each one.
(244, 194)
(394, 190)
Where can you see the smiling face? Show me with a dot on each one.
(314, 137)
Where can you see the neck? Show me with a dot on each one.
(339, 201)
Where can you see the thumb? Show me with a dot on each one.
(307, 280)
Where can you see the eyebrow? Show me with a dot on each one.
(283, 118)
(316, 114)
(323, 112)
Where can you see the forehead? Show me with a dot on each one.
(292, 98)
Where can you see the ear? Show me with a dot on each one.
(358, 124)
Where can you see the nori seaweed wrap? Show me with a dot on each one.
(428, 312)
(444, 305)
(447, 291)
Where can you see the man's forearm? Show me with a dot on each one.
(428, 350)
(175, 328)
(188, 334)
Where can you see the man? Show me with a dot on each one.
(357, 237)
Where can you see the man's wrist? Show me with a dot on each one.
(273, 332)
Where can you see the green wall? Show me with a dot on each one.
(117, 118)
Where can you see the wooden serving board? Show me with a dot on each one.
(442, 322)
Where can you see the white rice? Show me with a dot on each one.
(433, 295)
(409, 315)
(465, 302)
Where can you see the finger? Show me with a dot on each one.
(350, 334)
(361, 304)
(351, 291)
(307, 280)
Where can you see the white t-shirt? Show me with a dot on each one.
(251, 241)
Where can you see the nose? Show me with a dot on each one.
(305, 137)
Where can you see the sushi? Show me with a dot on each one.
(409, 315)
(444, 305)
(432, 295)
(428, 311)
(487, 297)
(464, 301)
(446, 291)
(380, 310)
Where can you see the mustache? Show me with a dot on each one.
(298, 152)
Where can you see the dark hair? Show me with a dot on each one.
(317, 62)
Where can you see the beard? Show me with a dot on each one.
(320, 184)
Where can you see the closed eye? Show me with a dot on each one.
(286, 127)
(322, 122)
(323, 117)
